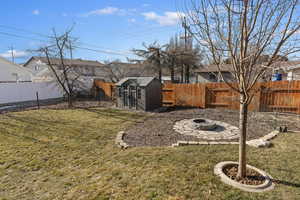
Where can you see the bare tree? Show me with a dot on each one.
(61, 47)
(182, 57)
(116, 70)
(243, 31)
(152, 54)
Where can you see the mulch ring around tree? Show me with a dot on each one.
(157, 128)
(252, 176)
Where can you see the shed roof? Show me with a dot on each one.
(141, 81)
(214, 68)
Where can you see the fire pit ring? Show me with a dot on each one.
(205, 125)
(206, 129)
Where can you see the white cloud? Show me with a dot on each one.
(64, 14)
(168, 19)
(17, 54)
(132, 20)
(106, 11)
(110, 11)
(36, 12)
(146, 5)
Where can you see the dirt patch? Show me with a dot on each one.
(157, 129)
(252, 176)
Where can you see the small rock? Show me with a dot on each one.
(259, 143)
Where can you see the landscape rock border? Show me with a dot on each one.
(261, 142)
(119, 140)
(266, 186)
(258, 143)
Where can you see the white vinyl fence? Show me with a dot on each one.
(21, 92)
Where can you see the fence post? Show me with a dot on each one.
(204, 95)
(259, 98)
(37, 99)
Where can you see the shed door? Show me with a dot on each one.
(132, 97)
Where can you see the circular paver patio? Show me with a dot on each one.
(223, 131)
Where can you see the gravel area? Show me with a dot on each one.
(157, 128)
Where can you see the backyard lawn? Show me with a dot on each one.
(70, 154)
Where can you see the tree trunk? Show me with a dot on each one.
(159, 74)
(182, 73)
(187, 74)
(70, 101)
(172, 74)
(243, 133)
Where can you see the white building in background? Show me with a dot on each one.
(10, 72)
(290, 70)
(17, 86)
(293, 73)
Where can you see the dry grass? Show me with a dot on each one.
(70, 154)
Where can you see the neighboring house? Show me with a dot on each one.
(210, 73)
(85, 71)
(83, 67)
(140, 93)
(10, 72)
(289, 70)
(119, 70)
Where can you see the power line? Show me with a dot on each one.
(129, 36)
(12, 54)
(20, 36)
(23, 30)
(103, 51)
(100, 50)
(108, 51)
(79, 47)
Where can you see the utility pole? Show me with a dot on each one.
(187, 67)
(159, 65)
(12, 54)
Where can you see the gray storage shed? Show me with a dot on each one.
(140, 93)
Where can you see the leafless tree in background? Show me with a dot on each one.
(116, 70)
(243, 31)
(61, 47)
(153, 54)
(182, 57)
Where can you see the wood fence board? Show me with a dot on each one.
(278, 96)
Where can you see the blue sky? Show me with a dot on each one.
(114, 26)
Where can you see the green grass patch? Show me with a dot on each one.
(70, 154)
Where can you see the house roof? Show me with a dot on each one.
(15, 66)
(138, 69)
(72, 62)
(13, 72)
(289, 65)
(214, 68)
(141, 81)
(228, 67)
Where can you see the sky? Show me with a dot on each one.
(111, 28)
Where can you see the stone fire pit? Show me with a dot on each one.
(207, 129)
(204, 124)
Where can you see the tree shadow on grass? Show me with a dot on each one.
(35, 120)
(282, 182)
(32, 139)
(115, 114)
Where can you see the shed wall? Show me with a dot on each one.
(153, 95)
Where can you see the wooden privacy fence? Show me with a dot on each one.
(104, 90)
(281, 96)
(278, 96)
